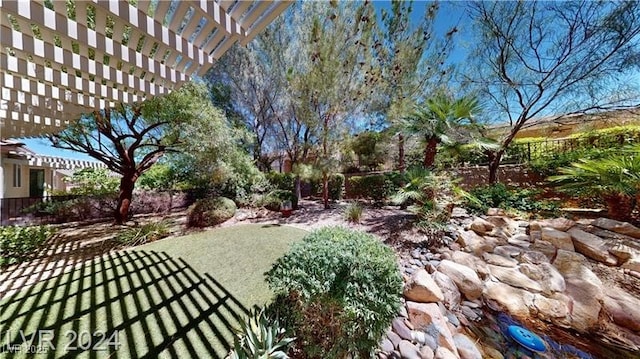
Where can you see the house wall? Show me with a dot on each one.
(9, 191)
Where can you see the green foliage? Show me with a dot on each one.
(261, 337)
(548, 163)
(143, 234)
(274, 199)
(159, 177)
(93, 182)
(211, 211)
(343, 289)
(19, 243)
(283, 181)
(500, 196)
(376, 187)
(335, 184)
(353, 212)
(368, 146)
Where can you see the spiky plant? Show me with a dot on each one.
(261, 338)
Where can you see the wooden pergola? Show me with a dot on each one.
(63, 58)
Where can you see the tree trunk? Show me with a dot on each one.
(325, 190)
(494, 165)
(430, 149)
(401, 165)
(620, 206)
(297, 189)
(127, 183)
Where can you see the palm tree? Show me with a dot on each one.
(616, 180)
(438, 119)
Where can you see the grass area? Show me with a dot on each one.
(180, 297)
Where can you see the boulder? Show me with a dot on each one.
(475, 243)
(591, 246)
(464, 277)
(514, 278)
(426, 352)
(520, 240)
(546, 275)
(444, 353)
(617, 226)
(560, 240)
(503, 297)
(408, 350)
(480, 226)
(466, 347)
(622, 252)
(534, 257)
(546, 248)
(549, 309)
(499, 260)
(449, 290)
(394, 338)
(632, 264)
(429, 318)
(401, 329)
(508, 251)
(386, 345)
(623, 308)
(471, 261)
(422, 288)
(496, 212)
(561, 224)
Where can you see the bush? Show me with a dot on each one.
(19, 243)
(282, 181)
(499, 196)
(143, 234)
(353, 212)
(273, 200)
(261, 336)
(335, 184)
(373, 187)
(211, 211)
(343, 289)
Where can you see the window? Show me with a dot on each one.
(17, 175)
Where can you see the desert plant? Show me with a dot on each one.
(343, 288)
(616, 180)
(499, 195)
(18, 243)
(143, 234)
(336, 182)
(261, 337)
(274, 199)
(211, 211)
(353, 212)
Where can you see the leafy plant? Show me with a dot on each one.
(336, 182)
(273, 200)
(615, 179)
(343, 289)
(143, 234)
(261, 337)
(353, 212)
(500, 196)
(19, 243)
(93, 182)
(211, 211)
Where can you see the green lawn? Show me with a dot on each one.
(179, 297)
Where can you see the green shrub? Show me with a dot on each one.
(353, 212)
(549, 163)
(343, 288)
(19, 243)
(143, 234)
(211, 211)
(500, 196)
(282, 181)
(261, 337)
(336, 182)
(273, 200)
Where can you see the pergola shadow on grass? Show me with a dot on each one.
(179, 297)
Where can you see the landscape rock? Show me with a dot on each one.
(632, 264)
(464, 277)
(475, 243)
(480, 226)
(515, 278)
(428, 317)
(394, 338)
(520, 240)
(623, 308)
(549, 309)
(508, 251)
(546, 275)
(400, 328)
(426, 353)
(622, 252)
(386, 345)
(422, 288)
(466, 347)
(559, 239)
(408, 350)
(503, 297)
(617, 226)
(499, 260)
(533, 257)
(591, 246)
(449, 290)
(561, 224)
(444, 353)
(546, 248)
(495, 212)
(471, 261)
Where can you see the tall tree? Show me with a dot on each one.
(129, 139)
(412, 62)
(538, 58)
